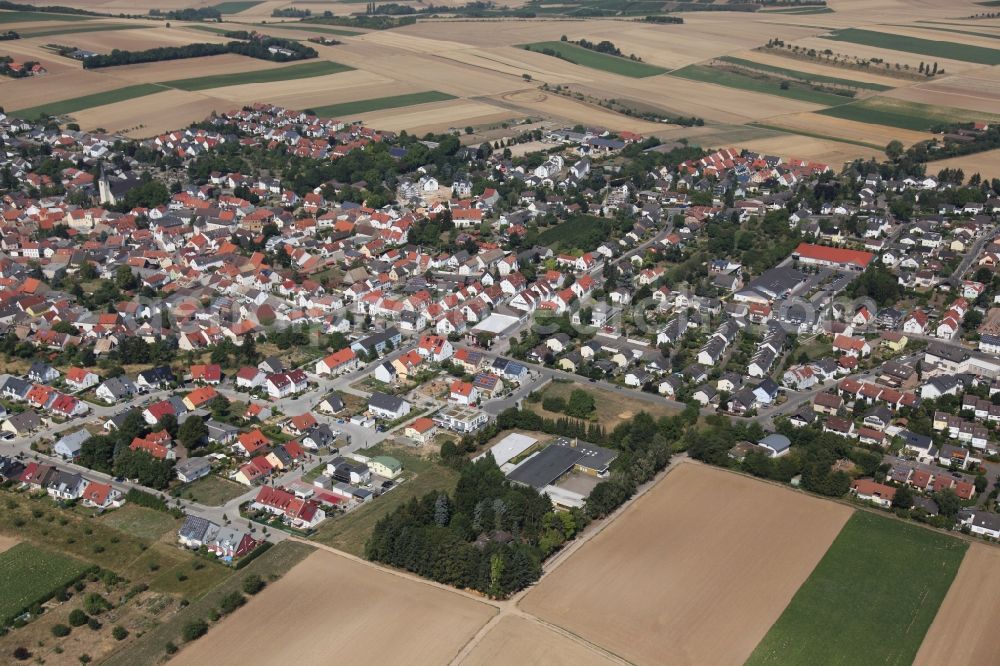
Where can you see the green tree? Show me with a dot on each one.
(581, 404)
(894, 150)
(192, 432)
(949, 504)
(194, 630)
(903, 499)
(253, 584)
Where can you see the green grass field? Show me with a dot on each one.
(213, 490)
(88, 101)
(803, 76)
(320, 29)
(904, 115)
(24, 17)
(140, 522)
(870, 600)
(30, 575)
(927, 47)
(300, 71)
(234, 7)
(378, 103)
(587, 58)
(768, 87)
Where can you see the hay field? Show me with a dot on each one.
(139, 39)
(516, 640)
(313, 89)
(965, 628)
(330, 607)
(986, 164)
(437, 117)
(37, 90)
(823, 125)
(834, 153)
(665, 582)
(965, 92)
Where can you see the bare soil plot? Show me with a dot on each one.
(516, 640)
(986, 164)
(704, 555)
(331, 605)
(964, 630)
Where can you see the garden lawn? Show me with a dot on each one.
(587, 58)
(31, 575)
(379, 103)
(927, 47)
(301, 71)
(870, 600)
(768, 86)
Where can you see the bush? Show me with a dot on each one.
(21, 653)
(94, 624)
(60, 630)
(231, 602)
(78, 618)
(194, 630)
(119, 633)
(95, 604)
(253, 584)
(170, 647)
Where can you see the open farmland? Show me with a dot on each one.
(516, 640)
(27, 17)
(902, 114)
(964, 631)
(299, 71)
(31, 575)
(332, 605)
(379, 103)
(803, 75)
(870, 599)
(662, 583)
(89, 101)
(986, 164)
(587, 58)
(769, 86)
(926, 47)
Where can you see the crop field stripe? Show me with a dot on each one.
(65, 106)
(904, 115)
(300, 71)
(803, 76)
(320, 29)
(594, 60)
(380, 103)
(816, 135)
(741, 82)
(927, 47)
(24, 17)
(871, 599)
(68, 30)
(959, 32)
(31, 574)
(235, 7)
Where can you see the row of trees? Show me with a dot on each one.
(111, 454)
(259, 47)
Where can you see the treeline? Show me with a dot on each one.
(47, 9)
(110, 453)
(606, 47)
(958, 140)
(367, 22)
(489, 535)
(260, 47)
(189, 14)
(10, 34)
(291, 12)
(662, 19)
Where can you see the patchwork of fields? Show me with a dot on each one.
(441, 75)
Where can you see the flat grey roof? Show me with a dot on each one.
(545, 467)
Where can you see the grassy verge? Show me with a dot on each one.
(587, 58)
(88, 101)
(902, 114)
(379, 103)
(817, 135)
(149, 648)
(767, 86)
(803, 76)
(350, 532)
(31, 575)
(870, 599)
(301, 71)
(927, 47)
(213, 490)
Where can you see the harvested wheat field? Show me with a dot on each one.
(536, 102)
(811, 67)
(436, 116)
(694, 572)
(132, 40)
(516, 640)
(37, 90)
(986, 164)
(152, 114)
(964, 629)
(973, 94)
(828, 126)
(332, 609)
(172, 70)
(834, 153)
